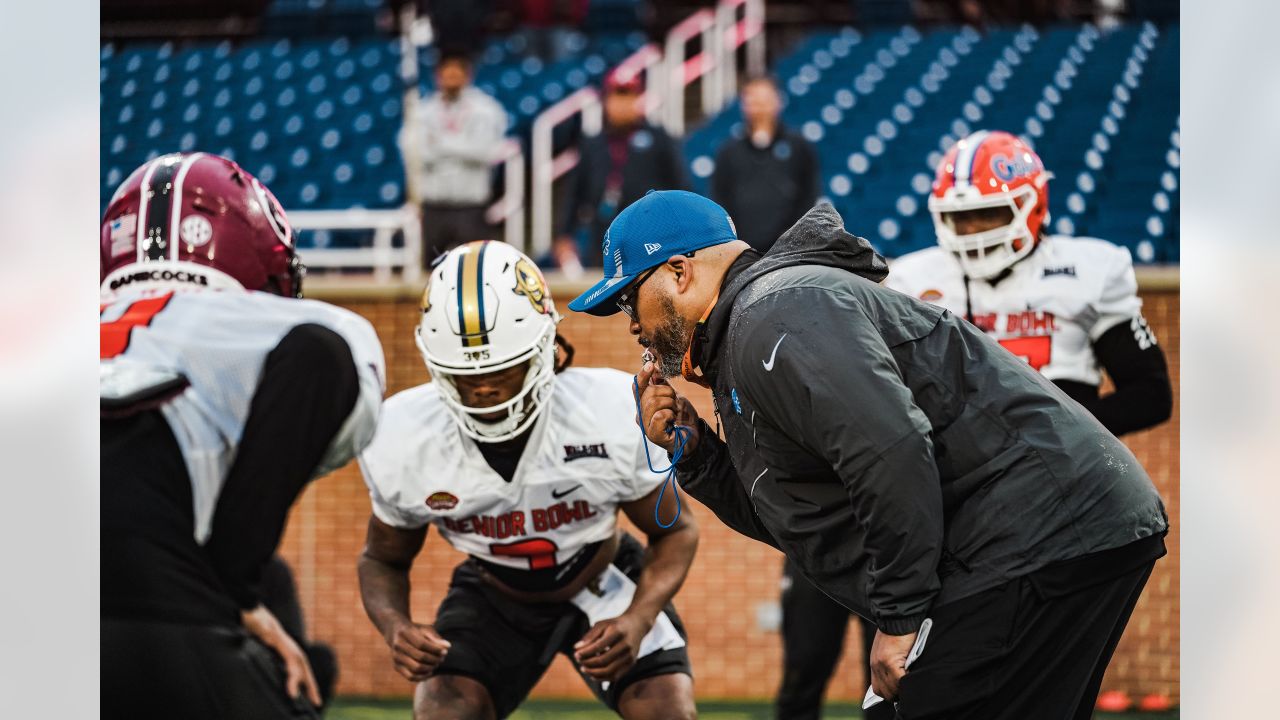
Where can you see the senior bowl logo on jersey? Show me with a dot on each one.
(529, 283)
(442, 501)
(931, 295)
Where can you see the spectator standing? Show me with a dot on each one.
(766, 175)
(615, 168)
(458, 130)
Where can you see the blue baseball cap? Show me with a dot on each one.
(650, 231)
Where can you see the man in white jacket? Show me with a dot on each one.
(457, 130)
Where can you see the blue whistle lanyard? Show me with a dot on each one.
(682, 433)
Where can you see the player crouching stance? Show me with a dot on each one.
(522, 464)
(222, 395)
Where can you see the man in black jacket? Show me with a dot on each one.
(614, 169)
(911, 468)
(766, 176)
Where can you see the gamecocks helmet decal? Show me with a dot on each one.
(196, 218)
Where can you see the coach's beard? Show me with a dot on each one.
(670, 339)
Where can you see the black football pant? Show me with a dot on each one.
(1013, 653)
(166, 670)
(813, 631)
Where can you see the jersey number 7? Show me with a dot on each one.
(114, 336)
(540, 551)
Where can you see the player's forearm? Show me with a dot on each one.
(262, 624)
(667, 564)
(1137, 407)
(384, 590)
(1144, 395)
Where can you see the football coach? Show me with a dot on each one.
(909, 465)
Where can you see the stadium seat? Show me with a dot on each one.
(883, 106)
(316, 110)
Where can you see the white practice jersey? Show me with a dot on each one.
(211, 347)
(1050, 309)
(584, 457)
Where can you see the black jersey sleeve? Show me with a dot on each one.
(309, 387)
(1143, 396)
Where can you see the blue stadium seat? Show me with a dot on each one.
(883, 106)
(317, 114)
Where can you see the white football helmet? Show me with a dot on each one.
(486, 308)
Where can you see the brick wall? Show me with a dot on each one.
(731, 581)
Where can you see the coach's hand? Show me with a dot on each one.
(298, 677)
(889, 662)
(661, 407)
(611, 647)
(416, 649)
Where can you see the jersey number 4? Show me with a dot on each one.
(540, 551)
(114, 336)
(1034, 349)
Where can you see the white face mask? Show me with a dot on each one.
(761, 138)
(520, 411)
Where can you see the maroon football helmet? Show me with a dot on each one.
(195, 218)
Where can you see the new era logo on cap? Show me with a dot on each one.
(653, 229)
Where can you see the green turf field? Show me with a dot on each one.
(360, 709)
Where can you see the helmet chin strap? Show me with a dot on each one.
(518, 420)
(510, 424)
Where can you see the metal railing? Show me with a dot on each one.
(382, 257)
(547, 167)
(665, 76)
(682, 71)
(734, 34)
(509, 209)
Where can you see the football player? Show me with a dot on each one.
(1068, 306)
(223, 394)
(522, 464)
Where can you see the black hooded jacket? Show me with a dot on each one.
(895, 453)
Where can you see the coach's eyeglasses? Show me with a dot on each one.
(627, 298)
